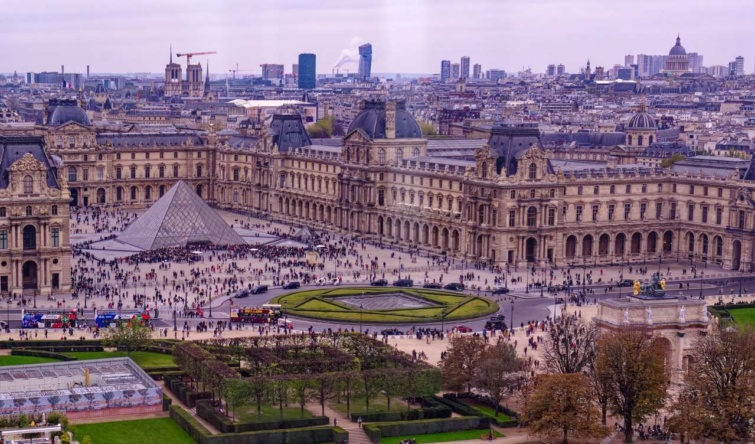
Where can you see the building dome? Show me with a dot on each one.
(372, 120)
(641, 121)
(678, 49)
(65, 111)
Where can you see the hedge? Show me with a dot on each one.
(307, 435)
(51, 343)
(432, 410)
(160, 375)
(207, 410)
(166, 402)
(378, 431)
(40, 354)
(182, 391)
(451, 398)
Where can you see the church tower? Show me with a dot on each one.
(172, 77)
(207, 92)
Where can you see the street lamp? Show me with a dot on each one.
(511, 320)
(442, 321)
(361, 312)
(621, 275)
(741, 274)
(527, 279)
(175, 320)
(702, 274)
(35, 298)
(209, 298)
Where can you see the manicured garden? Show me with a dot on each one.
(484, 409)
(144, 359)
(24, 360)
(159, 430)
(443, 437)
(328, 304)
(743, 316)
(269, 413)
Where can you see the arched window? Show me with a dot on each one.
(532, 174)
(148, 193)
(72, 174)
(629, 139)
(531, 216)
(415, 152)
(28, 185)
(381, 156)
(133, 193)
(650, 139)
(639, 140)
(399, 154)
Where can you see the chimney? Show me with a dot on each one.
(87, 71)
(63, 69)
(390, 120)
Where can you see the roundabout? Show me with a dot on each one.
(385, 305)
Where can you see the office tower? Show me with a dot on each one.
(307, 74)
(295, 70)
(496, 74)
(550, 71)
(732, 69)
(695, 62)
(477, 71)
(445, 70)
(365, 61)
(271, 71)
(465, 67)
(560, 69)
(739, 63)
(628, 60)
(455, 71)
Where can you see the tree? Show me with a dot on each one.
(35, 402)
(73, 399)
(498, 369)
(570, 345)
(238, 393)
(670, 161)
(717, 400)
(462, 361)
(89, 397)
(427, 129)
(53, 400)
(301, 387)
(561, 406)
(323, 386)
(143, 393)
(632, 365)
(127, 336)
(128, 394)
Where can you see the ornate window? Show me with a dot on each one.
(531, 216)
(381, 156)
(532, 172)
(28, 185)
(72, 174)
(54, 210)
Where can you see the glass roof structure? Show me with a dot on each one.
(180, 217)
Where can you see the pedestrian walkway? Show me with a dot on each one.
(356, 433)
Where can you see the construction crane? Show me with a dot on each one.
(189, 55)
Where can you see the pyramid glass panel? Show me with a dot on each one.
(178, 218)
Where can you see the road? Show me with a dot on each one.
(526, 306)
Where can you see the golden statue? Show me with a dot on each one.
(636, 288)
(663, 284)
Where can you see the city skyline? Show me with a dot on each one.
(407, 37)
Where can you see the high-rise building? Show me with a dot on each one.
(550, 71)
(560, 69)
(695, 62)
(445, 70)
(477, 71)
(732, 70)
(271, 71)
(496, 74)
(628, 60)
(455, 71)
(739, 63)
(464, 67)
(295, 70)
(307, 78)
(365, 61)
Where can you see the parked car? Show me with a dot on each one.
(432, 285)
(379, 283)
(403, 283)
(463, 329)
(555, 288)
(391, 332)
(625, 283)
(241, 294)
(455, 286)
(291, 285)
(501, 290)
(259, 289)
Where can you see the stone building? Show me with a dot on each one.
(35, 255)
(514, 201)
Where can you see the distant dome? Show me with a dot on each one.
(641, 121)
(372, 121)
(67, 111)
(678, 49)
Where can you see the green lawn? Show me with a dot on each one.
(485, 409)
(142, 358)
(743, 316)
(23, 360)
(442, 437)
(270, 413)
(160, 430)
(377, 404)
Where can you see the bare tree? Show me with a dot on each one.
(717, 401)
(498, 372)
(570, 345)
(632, 365)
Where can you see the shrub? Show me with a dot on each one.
(408, 428)
(166, 402)
(432, 410)
(208, 411)
(41, 354)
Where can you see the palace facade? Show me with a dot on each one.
(514, 202)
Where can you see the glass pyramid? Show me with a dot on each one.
(178, 218)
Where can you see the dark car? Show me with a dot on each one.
(501, 290)
(456, 286)
(291, 285)
(241, 294)
(556, 288)
(432, 285)
(379, 283)
(259, 289)
(496, 322)
(391, 332)
(403, 283)
(625, 283)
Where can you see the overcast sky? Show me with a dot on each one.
(410, 36)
